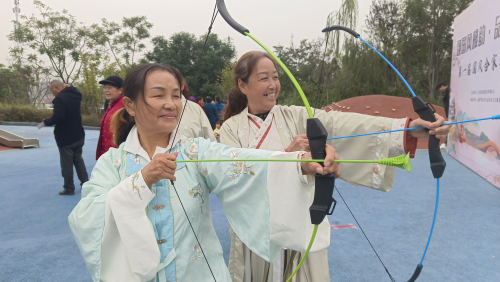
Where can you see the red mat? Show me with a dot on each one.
(382, 105)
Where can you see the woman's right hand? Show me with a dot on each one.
(299, 143)
(161, 167)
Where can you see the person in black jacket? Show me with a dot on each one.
(211, 111)
(443, 88)
(68, 132)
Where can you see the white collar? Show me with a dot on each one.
(133, 145)
(258, 118)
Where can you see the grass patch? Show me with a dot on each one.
(24, 113)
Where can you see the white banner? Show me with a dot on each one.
(475, 89)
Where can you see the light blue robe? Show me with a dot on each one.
(127, 232)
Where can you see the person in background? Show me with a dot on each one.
(443, 88)
(68, 132)
(194, 122)
(192, 99)
(211, 111)
(199, 101)
(218, 124)
(219, 105)
(113, 91)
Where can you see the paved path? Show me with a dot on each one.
(36, 243)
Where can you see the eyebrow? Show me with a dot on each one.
(265, 72)
(157, 87)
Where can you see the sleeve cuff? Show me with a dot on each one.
(410, 144)
(133, 192)
(402, 143)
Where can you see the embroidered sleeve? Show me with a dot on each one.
(140, 189)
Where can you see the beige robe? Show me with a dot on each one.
(239, 131)
(195, 122)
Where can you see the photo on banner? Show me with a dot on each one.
(475, 89)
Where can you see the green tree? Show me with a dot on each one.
(427, 52)
(182, 50)
(92, 93)
(25, 80)
(58, 37)
(226, 79)
(125, 40)
(311, 66)
(415, 35)
(346, 16)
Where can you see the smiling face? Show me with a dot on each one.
(262, 88)
(112, 92)
(161, 108)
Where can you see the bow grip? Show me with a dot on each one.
(426, 112)
(323, 200)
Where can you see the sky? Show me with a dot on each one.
(273, 22)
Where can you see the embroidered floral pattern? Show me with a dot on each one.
(134, 187)
(240, 133)
(135, 158)
(196, 253)
(198, 195)
(287, 133)
(190, 148)
(397, 145)
(185, 141)
(202, 170)
(116, 163)
(239, 168)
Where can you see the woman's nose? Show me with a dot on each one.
(272, 85)
(169, 104)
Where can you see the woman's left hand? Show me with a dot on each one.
(330, 166)
(435, 128)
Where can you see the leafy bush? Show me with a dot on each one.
(22, 113)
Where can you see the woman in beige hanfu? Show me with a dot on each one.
(194, 121)
(254, 120)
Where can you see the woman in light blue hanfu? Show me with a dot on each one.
(130, 224)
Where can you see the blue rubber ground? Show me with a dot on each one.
(36, 243)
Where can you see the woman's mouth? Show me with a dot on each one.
(270, 95)
(169, 116)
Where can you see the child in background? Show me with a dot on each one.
(218, 124)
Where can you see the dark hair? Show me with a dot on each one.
(199, 98)
(185, 90)
(219, 122)
(440, 84)
(236, 100)
(208, 99)
(217, 99)
(133, 88)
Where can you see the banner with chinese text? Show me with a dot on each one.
(475, 89)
